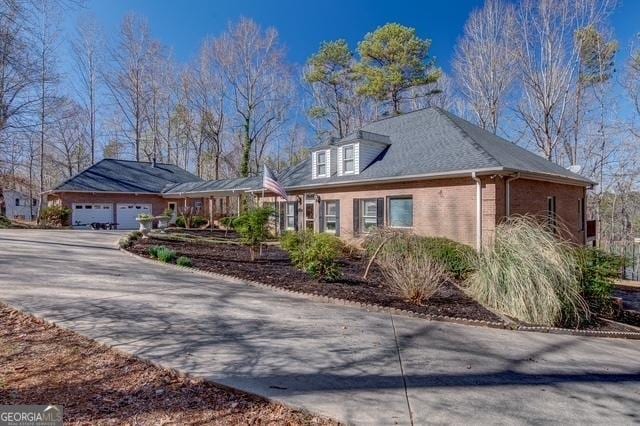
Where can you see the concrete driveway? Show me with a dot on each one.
(353, 365)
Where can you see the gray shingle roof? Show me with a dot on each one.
(427, 142)
(110, 175)
(221, 185)
(432, 141)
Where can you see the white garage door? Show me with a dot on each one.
(84, 214)
(127, 213)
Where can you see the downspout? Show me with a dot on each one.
(478, 211)
(508, 193)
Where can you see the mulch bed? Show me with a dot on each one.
(275, 268)
(43, 364)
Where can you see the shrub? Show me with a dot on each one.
(4, 222)
(184, 261)
(55, 215)
(193, 221)
(153, 251)
(413, 273)
(125, 242)
(598, 271)
(134, 235)
(290, 240)
(166, 255)
(457, 258)
(529, 274)
(227, 221)
(316, 254)
(144, 216)
(252, 225)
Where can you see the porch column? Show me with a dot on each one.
(211, 211)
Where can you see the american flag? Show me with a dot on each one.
(270, 183)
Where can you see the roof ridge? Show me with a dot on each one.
(474, 143)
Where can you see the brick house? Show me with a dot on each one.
(429, 171)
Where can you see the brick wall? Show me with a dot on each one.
(530, 197)
(158, 204)
(447, 207)
(442, 207)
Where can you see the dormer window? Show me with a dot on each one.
(348, 161)
(321, 163)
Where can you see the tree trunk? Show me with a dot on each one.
(246, 148)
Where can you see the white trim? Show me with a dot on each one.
(342, 159)
(507, 184)
(478, 211)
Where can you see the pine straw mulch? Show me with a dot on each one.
(42, 364)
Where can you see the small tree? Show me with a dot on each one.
(252, 225)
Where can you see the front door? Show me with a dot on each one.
(309, 211)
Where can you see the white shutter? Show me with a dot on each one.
(328, 169)
(356, 158)
(314, 168)
(340, 160)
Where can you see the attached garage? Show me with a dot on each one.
(84, 214)
(128, 212)
(117, 191)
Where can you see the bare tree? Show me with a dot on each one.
(547, 58)
(127, 82)
(87, 48)
(205, 94)
(252, 61)
(69, 138)
(45, 39)
(484, 61)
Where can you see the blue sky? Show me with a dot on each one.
(302, 25)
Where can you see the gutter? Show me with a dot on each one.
(508, 193)
(478, 210)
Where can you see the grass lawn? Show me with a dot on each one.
(44, 364)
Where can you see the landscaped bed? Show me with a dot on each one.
(44, 364)
(207, 251)
(274, 267)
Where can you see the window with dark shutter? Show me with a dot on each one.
(551, 213)
(337, 218)
(368, 214)
(356, 217)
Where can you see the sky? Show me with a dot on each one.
(303, 25)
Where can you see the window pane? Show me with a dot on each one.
(290, 209)
(348, 165)
(348, 153)
(369, 223)
(308, 210)
(331, 224)
(401, 212)
(322, 156)
(370, 208)
(321, 169)
(290, 222)
(331, 209)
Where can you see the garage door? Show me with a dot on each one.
(85, 214)
(127, 213)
